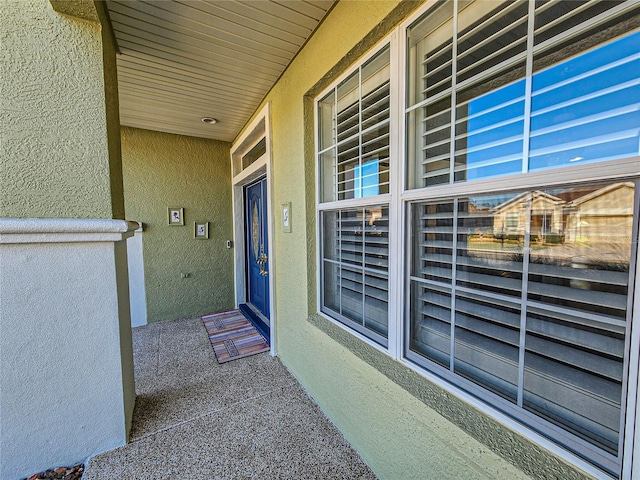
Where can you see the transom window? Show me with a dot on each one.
(517, 249)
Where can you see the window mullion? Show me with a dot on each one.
(360, 193)
(454, 75)
(528, 87)
(523, 299)
(527, 236)
(364, 262)
(397, 227)
(340, 265)
(335, 142)
(630, 421)
(454, 257)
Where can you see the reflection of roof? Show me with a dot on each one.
(601, 191)
(569, 196)
(523, 197)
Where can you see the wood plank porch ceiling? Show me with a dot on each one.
(180, 61)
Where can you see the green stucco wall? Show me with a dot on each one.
(163, 170)
(404, 426)
(112, 109)
(57, 79)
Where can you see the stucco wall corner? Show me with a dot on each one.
(162, 170)
(81, 9)
(55, 158)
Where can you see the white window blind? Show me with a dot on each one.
(536, 312)
(353, 155)
(479, 116)
(588, 108)
(355, 258)
(354, 133)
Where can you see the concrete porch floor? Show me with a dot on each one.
(195, 418)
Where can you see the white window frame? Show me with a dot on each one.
(258, 129)
(382, 199)
(626, 168)
(399, 199)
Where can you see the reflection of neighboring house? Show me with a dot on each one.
(589, 218)
(599, 213)
(546, 214)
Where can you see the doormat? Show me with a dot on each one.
(233, 336)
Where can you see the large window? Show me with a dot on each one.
(523, 297)
(499, 108)
(536, 314)
(517, 198)
(353, 157)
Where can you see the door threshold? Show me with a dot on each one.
(257, 318)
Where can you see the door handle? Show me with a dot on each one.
(262, 260)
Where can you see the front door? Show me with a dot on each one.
(257, 247)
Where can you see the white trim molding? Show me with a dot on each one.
(64, 230)
(256, 131)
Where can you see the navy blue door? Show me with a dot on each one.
(257, 246)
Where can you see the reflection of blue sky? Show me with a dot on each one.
(366, 179)
(584, 109)
(495, 128)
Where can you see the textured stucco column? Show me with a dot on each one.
(137, 294)
(59, 127)
(66, 362)
(66, 383)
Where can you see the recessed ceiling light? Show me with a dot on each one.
(210, 120)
